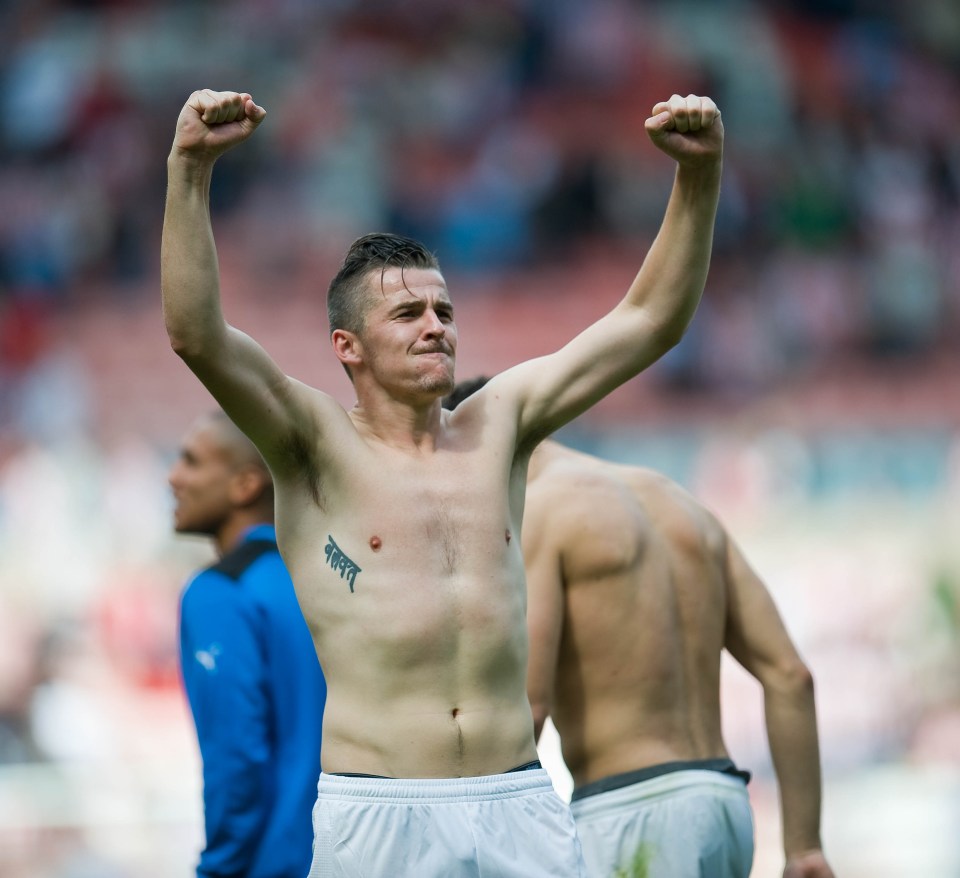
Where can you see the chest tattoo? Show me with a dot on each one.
(339, 561)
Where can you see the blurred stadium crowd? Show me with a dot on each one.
(508, 135)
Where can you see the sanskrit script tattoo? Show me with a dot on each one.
(339, 561)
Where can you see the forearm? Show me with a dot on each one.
(189, 273)
(792, 732)
(670, 282)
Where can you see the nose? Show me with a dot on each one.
(434, 325)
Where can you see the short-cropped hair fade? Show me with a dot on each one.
(349, 295)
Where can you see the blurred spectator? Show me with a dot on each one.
(531, 106)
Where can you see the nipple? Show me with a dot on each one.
(375, 543)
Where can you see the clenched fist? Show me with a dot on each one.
(689, 130)
(211, 122)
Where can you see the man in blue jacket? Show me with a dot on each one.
(249, 667)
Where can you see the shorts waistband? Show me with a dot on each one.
(527, 766)
(618, 781)
(526, 781)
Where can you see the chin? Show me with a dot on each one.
(183, 524)
(440, 386)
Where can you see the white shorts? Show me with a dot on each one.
(504, 825)
(685, 824)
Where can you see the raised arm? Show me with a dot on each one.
(252, 389)
(757, 638)
(652, 317)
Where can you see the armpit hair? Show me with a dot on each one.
(301, 452)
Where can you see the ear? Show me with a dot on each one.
(347, 346)
(246, 485)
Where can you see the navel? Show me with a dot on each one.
(507, 535)
(455, 712)
(375, 543)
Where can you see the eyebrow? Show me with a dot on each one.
(406, 304)
(417, 302)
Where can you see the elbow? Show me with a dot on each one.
(178, 332)
(669, 339)
(672, 332)
(179, 343)
(184, 347)
(193, 332)
(191, 343)
(664, 334)
(792, 678)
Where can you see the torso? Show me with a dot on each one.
(425, 657)
(644, 614)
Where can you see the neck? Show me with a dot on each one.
(233, 530)
(399, 423)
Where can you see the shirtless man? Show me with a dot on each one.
(399, 522)
(634, 592)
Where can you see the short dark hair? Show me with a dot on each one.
(462, 390)
(348, 296)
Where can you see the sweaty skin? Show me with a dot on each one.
(423, 642)
(634, 592)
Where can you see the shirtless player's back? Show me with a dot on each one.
(635, 590)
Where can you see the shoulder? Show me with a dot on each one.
(225, 578)
(555, 505)
(680, 515)
(238, 562)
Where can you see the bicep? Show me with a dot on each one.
(756, 635)
(554, 389)
(264, 402)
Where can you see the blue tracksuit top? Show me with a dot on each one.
(257, 694)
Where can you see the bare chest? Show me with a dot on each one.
(441, 519)
(421, 562)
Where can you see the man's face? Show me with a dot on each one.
(409, 336)
(200, 479)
